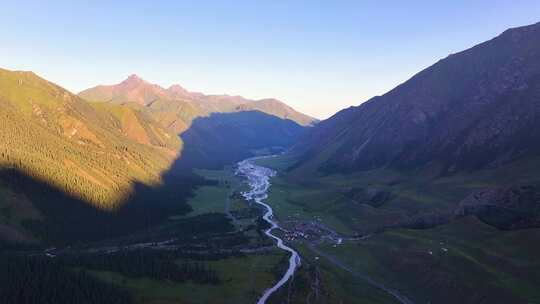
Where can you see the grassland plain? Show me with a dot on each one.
(222, 196)
(335, 285)
(463, 261)
(338, 285)
(466, 259)
(299, 200)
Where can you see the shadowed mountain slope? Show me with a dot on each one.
(225, 138)
(475, 109)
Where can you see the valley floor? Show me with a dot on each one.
(350, 235)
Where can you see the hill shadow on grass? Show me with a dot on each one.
(225, 138)
(210, 142)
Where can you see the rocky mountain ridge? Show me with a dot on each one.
(175, 107)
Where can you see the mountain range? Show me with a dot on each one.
(175, 107)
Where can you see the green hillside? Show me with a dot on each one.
(93, 152)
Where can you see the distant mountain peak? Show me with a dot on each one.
(133, 79)
(177, 89)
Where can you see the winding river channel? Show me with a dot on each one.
(258, 178)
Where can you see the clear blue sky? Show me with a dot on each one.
(318, 56)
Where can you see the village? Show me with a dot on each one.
(309, 231)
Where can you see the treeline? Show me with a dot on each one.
(204, 223)
(65, 278)
(6, 245)
(159, 265)
(40, 281)
(98, 168)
